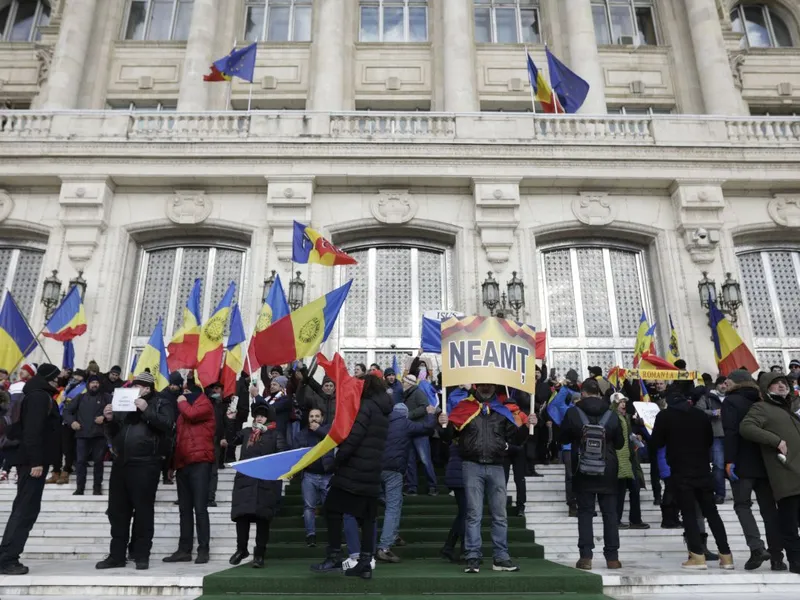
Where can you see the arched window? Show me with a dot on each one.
(762, 25)
(392, 288)
(20, 20)
(20, 270)
(771, 281)
(592, 300)
(166, 277)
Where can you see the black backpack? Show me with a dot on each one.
(592, 448)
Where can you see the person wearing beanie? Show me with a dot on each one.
(112, 380)
(310, 394)
(37, 430)
(84, 416)
(711, 402)
(629, 474)
(137, 441)
(281, 404)
(214, 393)
(417, 402)
(93, 367)
(26, 371)
(393, 386)
(747, 473)
(794, 370)
(170, 395)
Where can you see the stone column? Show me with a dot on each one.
(584, 58)
(328, 56)
(713, 67)
(69, 58)
(458, 48)
(193, 93)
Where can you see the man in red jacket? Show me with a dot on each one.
(194, 456)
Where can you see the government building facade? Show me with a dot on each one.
(403, 131)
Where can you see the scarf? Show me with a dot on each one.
(258, 429)
(466, 410)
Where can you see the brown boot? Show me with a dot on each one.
(613, 564)
(584, 564)
(696, 562)
(63, 478)
(54, 477)
(726, 562)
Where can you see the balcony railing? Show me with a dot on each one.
(399, 127)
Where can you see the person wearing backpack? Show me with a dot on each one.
(36, 424)
(595, 433)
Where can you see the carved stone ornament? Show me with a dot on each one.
(737, 62)
(188, 207)
(785, 210)
(594, 208)
(44, 56)
(6, 205)
(394, 207)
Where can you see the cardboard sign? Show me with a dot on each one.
(648, 411)
(488, 350)
(124, 399)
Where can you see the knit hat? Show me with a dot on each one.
(263, 410)
(770, 378)
(388, 372)
(680, 363)
(327, 379)
(28, 368)
(175, 378)
(116, 369)
(93, 366)
(276, 368)
(401, 408)
(145, 379)
(281, 381)
(410, 379)
(47, 371)
(740, 376)
(92, 377)
(595, 371)
(79, 373)
(794, 363)
(572, 376)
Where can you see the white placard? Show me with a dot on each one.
(648, 411)
(124, 399)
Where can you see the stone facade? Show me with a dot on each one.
(644, 202)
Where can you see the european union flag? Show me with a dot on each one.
(239, 63)
(570, 88)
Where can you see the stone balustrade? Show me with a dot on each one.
(385, 127)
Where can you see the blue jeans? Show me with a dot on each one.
(393, 494)
(488, 480)
(718, 470)
(315, 488)
(352, 537)
(421, 448)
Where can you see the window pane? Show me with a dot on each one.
(506, 25)
(621, 24)
(3, 20)
(5, 264)
(756, 293)
(227, 268)
(601, 32)
(253, 23)
(160, 20)
(278, 25)
(44, 20)
(183, 20)
(417, 24)
(302, 24)
(135, 28)
(530, 26)
(627, 291)
(393, 302)
(646, 26)
(393, 24)
(560, 294)
(194, 265)
(355, 309)
(483, 26)
(430, 280)
(786, 289)
(23, 22)
(26, 279)
(369, 24)
(783, 38)
(757, 32)
(594, 294)
(157, 289)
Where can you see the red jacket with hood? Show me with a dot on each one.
(196, 428)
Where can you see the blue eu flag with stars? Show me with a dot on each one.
(239, 63)
(570, 88)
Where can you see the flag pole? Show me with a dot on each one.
(36, 336)
(530, 77)
(250, 97)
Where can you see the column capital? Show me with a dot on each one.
(288, 200)
(698, 208)
(497, 205)
(85, 209)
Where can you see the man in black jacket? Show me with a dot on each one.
(85, 416)
(112, 380)
(137, 443)
(317, 475)
(747, 473)
(485, 430)
(170, 396)
(687, 434)
(38, 431)
(601, 488)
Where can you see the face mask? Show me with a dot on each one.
(216, 396)
(779, 398)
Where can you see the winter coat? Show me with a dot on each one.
(305, 438)
(686, 432)
(417, 402)
(282, 405)
(746, 455)
(310, 396)
(708, 404)
(358, 461)
(486, 438)
(572, 432)
(396, 392)
(196, 429)
(767, 424)
(85, 409)
(256, 498)
(401, 431)
(140, 436)
(41, 425)
(625, 454)
(453, 473)
(107, 386)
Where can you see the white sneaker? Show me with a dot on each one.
(349, 563)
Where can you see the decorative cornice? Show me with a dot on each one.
(784, 209)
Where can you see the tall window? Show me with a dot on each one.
(625, 22)
(166, 277)
(20, 270)
(277, 20)
(771, 281)
(507, 21)
(592, 299)
(392, 288)
(158, 19)
(20, 20)
(394, 21)
(762, 26)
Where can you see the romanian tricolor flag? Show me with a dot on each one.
(68, 320)
(730, 351)
(16, 338)
(616, 377)
(287, 464)
(216, 75)
(154, 358)
(183, 346)
(274, 309)
(541, 89)
(308, 246)
(466, 410)
(234, 359)
(644, 340)
(645, 393)
(209, 347)
(673, 353)
(656, 363)
(302, 332)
